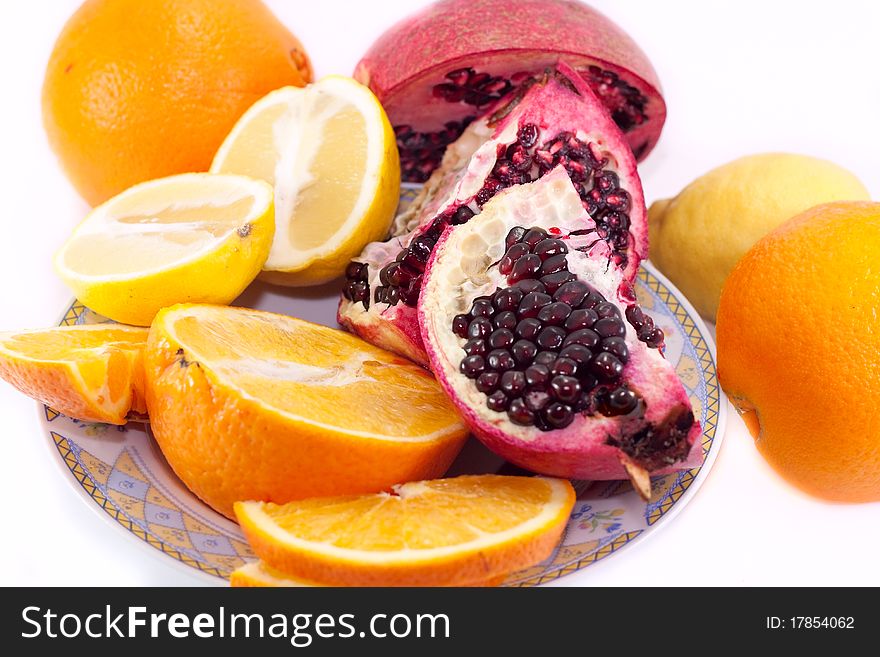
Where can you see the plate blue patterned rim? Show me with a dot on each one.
(121, 473)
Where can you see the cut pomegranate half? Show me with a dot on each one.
(552, 120)
(439, 69)
(543, 348)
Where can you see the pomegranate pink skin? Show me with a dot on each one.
(579, 451)
(492, 36)
(553, 108)
(395, 329)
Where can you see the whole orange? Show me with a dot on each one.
(799, 349)
(138, 90)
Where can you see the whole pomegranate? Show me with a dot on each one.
(543, 349)
(552, 120)
(439, 69)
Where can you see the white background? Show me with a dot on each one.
(740, 77)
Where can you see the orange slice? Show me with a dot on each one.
(259, 575)
(446, 532)
(93, 373)
(251, 405)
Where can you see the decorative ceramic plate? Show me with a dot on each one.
(122, 474)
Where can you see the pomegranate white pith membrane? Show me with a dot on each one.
(537, 338)
(554, 119)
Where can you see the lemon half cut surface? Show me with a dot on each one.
(331, 154)
(189, 238)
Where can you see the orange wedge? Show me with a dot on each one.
(93, 373)
(446, 532)
(259, 575)
(248, 405)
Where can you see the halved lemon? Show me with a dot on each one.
(331, 154)
(93, 373)
(446, 532)
(195, 237)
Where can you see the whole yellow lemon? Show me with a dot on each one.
(698, 236)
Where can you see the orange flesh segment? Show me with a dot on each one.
(61, 343)
(337, 177)
(459, 512)
(85, 372)
(259, 574)
(336, 379)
